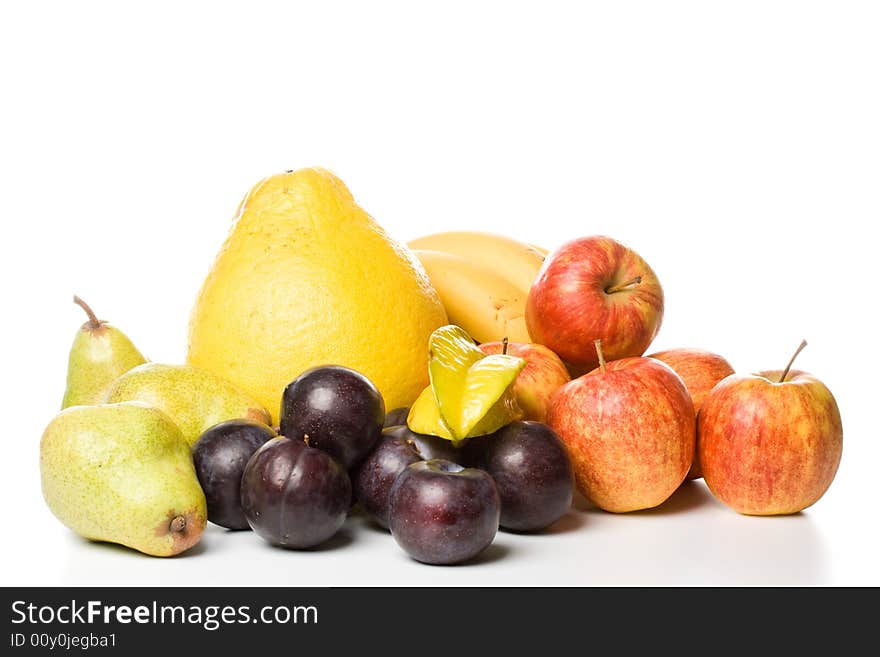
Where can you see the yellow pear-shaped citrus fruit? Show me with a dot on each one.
(470, 393)
(307, 278)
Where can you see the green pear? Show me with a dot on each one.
(122, 473)
(194, 398)
(100, 354)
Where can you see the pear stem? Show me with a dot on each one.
(94, 322)
(178, 524)
(504, 345)
(598, 344)
(788, 367)
(623, 286)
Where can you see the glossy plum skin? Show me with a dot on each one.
(373, 478)
(293, 495)
(220, 456)
(397, 448)
(396, 417)
(442, 513)
(428, 447)
(532, 470)
(335, 409)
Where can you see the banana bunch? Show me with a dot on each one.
(482, 279)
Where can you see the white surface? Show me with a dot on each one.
(735, 147)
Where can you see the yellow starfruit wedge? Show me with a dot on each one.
(488, 402)
(424, 416)
(470, 393)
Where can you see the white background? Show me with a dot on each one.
(735, 146)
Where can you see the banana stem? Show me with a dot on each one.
(504, 345)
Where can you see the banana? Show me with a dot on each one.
(540, 249)
(479, 300)
(516, 261)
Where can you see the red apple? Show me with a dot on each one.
(700, 370)
(543, 374)
(594, 288)
(628, 427)
(770, 443)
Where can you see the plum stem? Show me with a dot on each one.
(598, 343)
(504, 346)
(623, 286)
(788, 367)
(413, 446)
(94, 322)
(178, 524)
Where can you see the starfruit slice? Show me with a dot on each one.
(424, 416)
(472, 392)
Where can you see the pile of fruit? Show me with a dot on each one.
(498, 378)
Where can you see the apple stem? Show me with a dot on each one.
(94, 322)
(504, 345)
(178, 524)
(598, 344)
(788, 367)
(623, 286)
